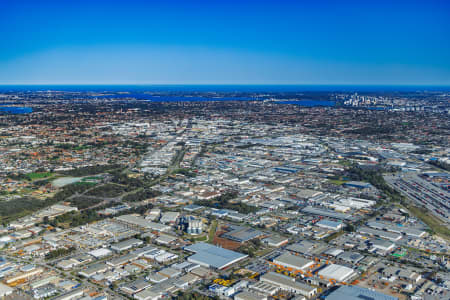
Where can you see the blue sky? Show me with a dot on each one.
(224, 42)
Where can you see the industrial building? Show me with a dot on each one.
(352, 292)
(212, 256)
(397, 229)
(358, 184)
(350, 257)
(380, 233)
(169, 217)
(242, 234)
(137, 222)
(247, 295)
(337, 272)
(328, 224)
(5, 290)
(326, 213)
(275, 241)
(265, 288)
(126, 245)
(289, 284)
(383, 245)
(288, 260)
(194, 226)
(100, 252)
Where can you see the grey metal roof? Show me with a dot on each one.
(213, 256)
(350, 292)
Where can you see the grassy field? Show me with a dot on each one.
(433, 222)
(212, 231)
(109, 190)
(85, 183)
(333, 236)
(337, 182)
(39, 175)
(199, 238)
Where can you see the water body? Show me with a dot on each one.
(308, 103)
(16, 110)
(60, 182)
(223, 88)
(149, 98)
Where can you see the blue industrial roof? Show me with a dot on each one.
(329, 223)
(213, 256)
(351, 292)
(358, 184)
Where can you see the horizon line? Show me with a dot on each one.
(229, 84)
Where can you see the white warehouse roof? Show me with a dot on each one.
(337, 272)
(292, 261)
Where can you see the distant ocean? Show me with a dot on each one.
(147, 92)
(14, 110)
(225, 88)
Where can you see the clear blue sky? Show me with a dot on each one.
(225, 42)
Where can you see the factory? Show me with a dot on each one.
(247, 295)
(358, 184)
(383, 245)
(337, 272)
(5, 290)
(392, 236)
(289, 284)
(352, 292)
(397, 229)
(212, 256)
(126, 245)
(137, 222)
(242, 234)
(288, 260)
(328, 224)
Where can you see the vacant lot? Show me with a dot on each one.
(107, 191)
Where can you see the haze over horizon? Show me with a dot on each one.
(213, 42)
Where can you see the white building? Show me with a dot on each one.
(5, 290)
(288, 260)
(289, 284)
(337, 272)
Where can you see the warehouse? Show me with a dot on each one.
(24, 275)
(337, 272)
(100, 253)
(356, 203)
(135, 286)
(93, 270)
(5, 290)
(358, 184)
(383, 245)
(333, 252)
(326, 213)
(247, 295)
(307, 248)
(126, 245)
(380, 233)
(242, 234)
(289, 284)
(350, 257)
(275, 241)
(397, 229)
(138, 222)
(352, 292)
(212, 256)
(76, 294)
(265, 288)
(169, 217)
(328, 224)
(288, 260)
